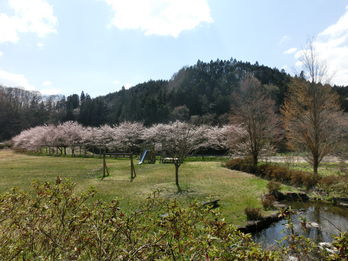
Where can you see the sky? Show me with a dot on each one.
(98, 46)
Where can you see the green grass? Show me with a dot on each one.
(200, 180)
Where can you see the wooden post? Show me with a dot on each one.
(129, 155)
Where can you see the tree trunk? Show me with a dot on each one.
(177, 176)
(255, 159)
(315, 165)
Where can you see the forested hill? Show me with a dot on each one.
(200, 93)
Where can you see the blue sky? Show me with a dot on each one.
(66, 46)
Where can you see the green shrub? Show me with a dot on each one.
(253, 213)
(54, 223)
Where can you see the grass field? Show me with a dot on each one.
(200, 180)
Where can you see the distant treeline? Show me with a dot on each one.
(200, 94)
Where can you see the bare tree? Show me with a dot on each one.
(312, 113)
(315, 69)
(254, 111)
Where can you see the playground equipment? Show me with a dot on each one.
(119, 155)
(147, 156)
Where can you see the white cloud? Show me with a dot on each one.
(15, 80)
(9, 79)
(160, 17)
(30, 16)
(332, 47)
(40, 45)
(1, 53)
(46, 83)
(290, 51)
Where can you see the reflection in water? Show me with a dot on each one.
(331, 220)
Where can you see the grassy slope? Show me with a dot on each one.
(201, 180)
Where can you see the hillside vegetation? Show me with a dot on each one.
(200, 94)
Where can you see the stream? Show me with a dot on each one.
(324, 221)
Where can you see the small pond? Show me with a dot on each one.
(325, 221)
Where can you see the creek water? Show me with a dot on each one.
(324, 221)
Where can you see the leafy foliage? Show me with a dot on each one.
(57, 224)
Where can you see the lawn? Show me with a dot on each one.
(201, 180)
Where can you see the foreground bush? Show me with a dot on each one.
(54, 223)
(57, 224)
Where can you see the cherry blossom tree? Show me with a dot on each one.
(70, 134)
(218, 138)
(177, 140)
(127, 136)
(104, 138)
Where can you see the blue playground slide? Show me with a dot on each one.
(142, 157)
